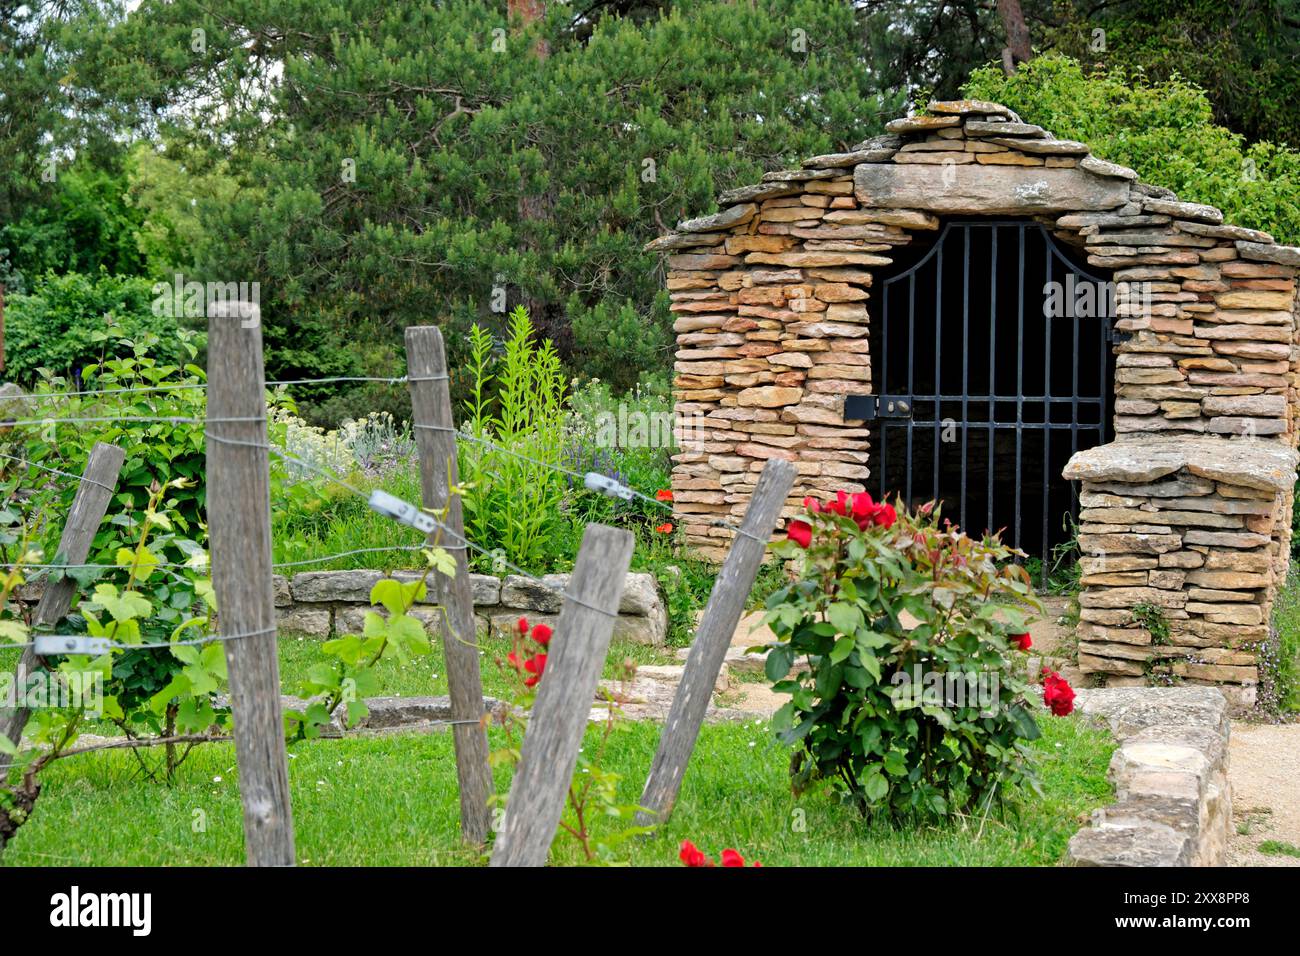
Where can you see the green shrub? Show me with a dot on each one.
(1165, 131)
(907, 721)
(70, 321)
(163, 476)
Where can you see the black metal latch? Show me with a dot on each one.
(869, 407)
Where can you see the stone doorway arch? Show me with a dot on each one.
(992, 367)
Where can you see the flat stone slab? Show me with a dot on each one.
(353, 587)
(1263, 465)
(987, 190)
(1127, 711)
(640, 594)
(1133, 844)
(389, 713)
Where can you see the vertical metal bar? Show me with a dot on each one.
(965, 362)
(1103, 427)
(1020, 366)
(1074, 378)
(1074, 401)
(938, 351)
(882, 363)
(911, 380)
(1047, 400)
(993, 351)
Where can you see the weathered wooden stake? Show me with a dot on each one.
(564, 698)
(239, 531)
(88, 507)
(426, 361)
(726, 604)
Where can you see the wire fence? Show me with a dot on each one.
(591, 481)
(554, 736)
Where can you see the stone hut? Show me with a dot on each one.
(969, 309)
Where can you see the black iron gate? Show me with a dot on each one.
(987, 377)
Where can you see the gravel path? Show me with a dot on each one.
(1264, 768)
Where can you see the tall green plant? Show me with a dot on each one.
(515, 430)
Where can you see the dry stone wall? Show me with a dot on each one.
(771, 298)
(1181, 559)
(320, 603)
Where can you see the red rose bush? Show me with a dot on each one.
(912, 700)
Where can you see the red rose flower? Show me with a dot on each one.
(693, 856)
(664, 494)
(732, 858)
(534, 665)
(1022, 641)
(542, 634)
(1058, 695)
(813, 505)
(840, 505)
(523, 625)
(863, 509)
(885, 516)
(800, 532)
(665, 528)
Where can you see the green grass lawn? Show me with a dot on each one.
(392, 801)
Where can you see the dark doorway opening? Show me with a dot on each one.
(992, 365)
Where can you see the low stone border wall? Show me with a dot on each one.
(321, 603)
(1174, 804)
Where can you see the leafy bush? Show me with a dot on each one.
(157, 451)
(908, 720)
(86, 223)
(70, 321)
(1165, 131)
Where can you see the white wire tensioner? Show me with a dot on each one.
(401, 511)
(605, 485)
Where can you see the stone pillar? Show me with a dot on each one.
(1178, 540)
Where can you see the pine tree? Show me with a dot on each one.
(421, 162)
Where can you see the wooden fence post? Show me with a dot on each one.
(239, 531)
(426, 361)
(88, 506)
(564, 698)
(726, 604)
